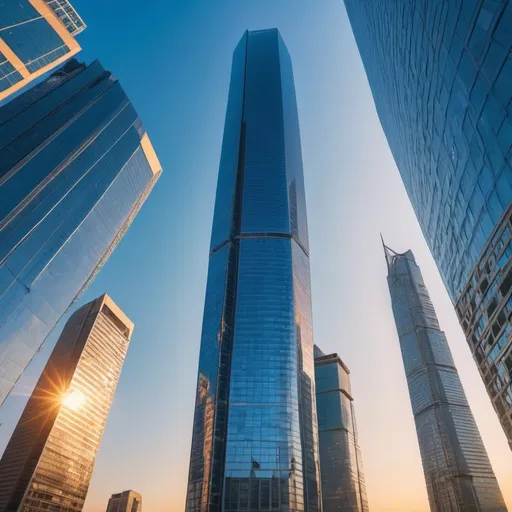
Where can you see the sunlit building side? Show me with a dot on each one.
(458, 473)
(35, 37)
(126, 501)
(341, 466)
(76, 165)
(49, 460)
(441, 77)
(255, 439)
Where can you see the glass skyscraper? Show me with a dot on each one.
(341, 466)
(254, 444)
(35, 37)
(441, 76)
(75, 167)
(48, 463)
(126, 501)
(457, 470)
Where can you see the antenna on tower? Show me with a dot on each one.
(388, 253)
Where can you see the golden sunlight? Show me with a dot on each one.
(73, 400)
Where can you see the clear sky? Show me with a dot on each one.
(173, 59)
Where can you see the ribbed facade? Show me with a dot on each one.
(254, 444)
(341, 466)
(75, 167)
(458, 474)
(441, 77)
(49, 460)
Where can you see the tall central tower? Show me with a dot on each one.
(254, 445)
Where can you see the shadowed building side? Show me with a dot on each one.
(458, 473)
(50, 457)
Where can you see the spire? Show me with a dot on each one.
(388, 253)
(387, 250)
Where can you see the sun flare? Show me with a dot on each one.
(73, 400)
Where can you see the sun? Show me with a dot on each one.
(73, 400)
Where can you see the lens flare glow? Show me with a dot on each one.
(73, 400)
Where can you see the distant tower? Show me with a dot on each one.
(458, 473)
(76, 165)
(35, 37)
(49, 460)
(341, 468)
(126, 501)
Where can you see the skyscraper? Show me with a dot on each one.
(35, 37)
(126, 501)
(254, 444)
(49, 460)
(458, 473)
(441, 76)
(341, 467)
(75, 167)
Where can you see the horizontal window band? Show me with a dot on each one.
(246, 236)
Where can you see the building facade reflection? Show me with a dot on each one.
(254, 444)
(48, 463)
(441, 76)
(457, 470)
(76, 165)
(341, 465)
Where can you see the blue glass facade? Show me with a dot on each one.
(457, 470)
(341, 467)
(35, 36)
(75, 167)
(254, 444)
(441, 77)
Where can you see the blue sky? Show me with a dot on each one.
(173, 59)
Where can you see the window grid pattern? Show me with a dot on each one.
(67, 15)
(457, 470)
(8, 73)
(485, 313)
(27, 32)
(343, 483)
(72, 177)
(441, 76)
(254, 442)
(49, 460)
(127, 501)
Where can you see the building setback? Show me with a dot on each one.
(441, 76)
(49, 460)
(126, 501)
(76, 165)
(254, 443)
(35, 37)
(341, 467)
(457, 470)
